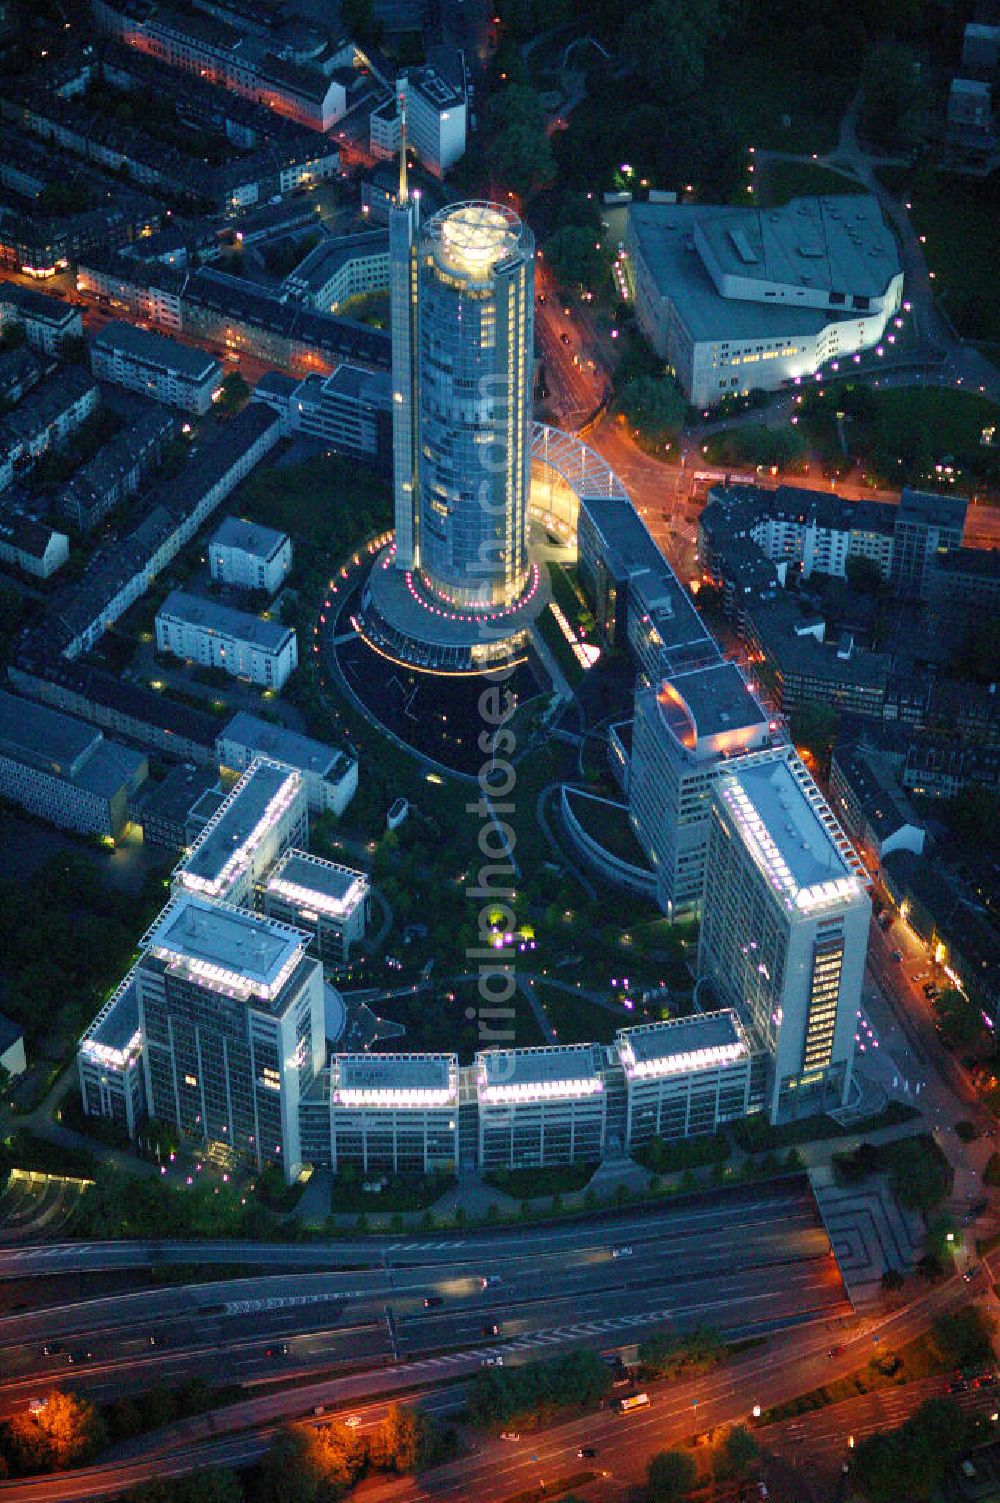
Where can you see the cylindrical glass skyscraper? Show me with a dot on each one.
(475, 343)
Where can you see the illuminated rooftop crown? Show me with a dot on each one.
(472, 238)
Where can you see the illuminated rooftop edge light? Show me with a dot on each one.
(240, 855)
(538, 1090)
(392, 1097)
(709, 1058)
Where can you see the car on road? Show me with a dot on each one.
(623, 1251)
(156, 1338)
(492, 1362)
(52, 1349)
(80, 1354)
(510, 1435)
(491, 1330)
(586, 1452)
(280, 1349)
(986, 1380)
(433, 1301)
(835, 1351)
(958, 1385)
(489, 1280)
(897, 957)
(931, 992)
(542, 298)
(352, 1421)
(564, 338)
(971, 1272)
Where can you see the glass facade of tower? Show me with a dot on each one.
(475, 332)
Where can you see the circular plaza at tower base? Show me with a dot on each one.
(400, 619)
(403, 621)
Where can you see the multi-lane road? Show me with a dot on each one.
(751, 1261)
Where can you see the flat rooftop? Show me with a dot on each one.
(394, 1079)
(157, 350)
(559, 1070)
(261, 796)
(224, 621)
(790, 832)
(714, 700)
(274, 741)
(932, 509)
(701, 1042)
(117, 1023)
(251, 537)
(302, 877)
(45, 738)
(224, 947)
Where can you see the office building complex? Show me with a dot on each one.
(351, 410)
(540, 1106)
(249, 556)
(231, 1020)
(109, 1061)
(263, 816)
(686, 1076)
(216, 636)
(329, 901)
(64, 770)
(158, 367)
(685, 729)
(784, 927)
(394, 1112)
(330, 777)
(748, 299)
(340, 268)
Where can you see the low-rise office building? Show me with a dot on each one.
(216, 636)
(742, 299)
(330, 776)
(394, 1113)
(162, 810)
(325, 899)
(263, 816)
(231, 1019)
(686, 1077)
(791, 654)
(109, 1061)
(64, 770)
(157, 366)
(350, 410)
(46, 321)
(249, 556)
(540, 1106)
(340, 268)
(436, 113)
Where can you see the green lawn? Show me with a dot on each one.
(784, 180)
(434, 1022)
(557, 1179)
(560, 649)
(959, 216)
(578, 1020)
(953, 420)
(759, 86)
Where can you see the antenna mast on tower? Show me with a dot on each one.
(402, 143)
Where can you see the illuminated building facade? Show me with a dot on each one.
(684, 731)
(784, 927)
(541, 1106)
(109, 1061)
(231, 1017)
(394, 1112)
(265, 813)
(329, 901)
(687, 1076)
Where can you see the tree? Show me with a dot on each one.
(65, 1432)
(668, 40)
(519, 153)
(670, 1477)
(740, 1452)
(579, 255)
(864, 574)
(357, 17)
(964, 1337)
(288, 1471)
(235, 392)
(655, 405)
(813, 726)
(958, 1020)
(893, 101)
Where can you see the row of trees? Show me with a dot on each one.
(675, 1356)
(672, 1476)
(538, 1390)
(320, 1465)
(913, 1461)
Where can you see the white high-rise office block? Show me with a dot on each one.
(265, 813)
(784, 927)
(394, 1112)
(541, 1106)
(684, 731)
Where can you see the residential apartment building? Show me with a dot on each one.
(116, 470)
(31, 546)
(325, 899)
(540, 1106)
(872, 806)
(158, 367)
(394, 1113)
(216, 636)
(46, 321)
(47, 416)
(743, 299)
(436, 114)
(263, 816)
(330, 776)
(64, 771)
(249, 556)
(687, 1076)
(231, 1020)
(685, 730)
(927, 526)
(784, 928)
